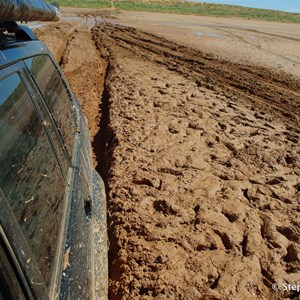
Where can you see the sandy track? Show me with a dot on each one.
(203, 178)
(269, 44)
(201, 160)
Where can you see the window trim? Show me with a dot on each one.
(70, 95)
(38, 102)
(13, 266)
(20, 252)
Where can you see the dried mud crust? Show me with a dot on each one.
(203, 172)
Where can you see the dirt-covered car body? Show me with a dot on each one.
(52, 201)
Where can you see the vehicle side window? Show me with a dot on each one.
(30, 176)
(56, 96)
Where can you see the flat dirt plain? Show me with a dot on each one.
(195, 129)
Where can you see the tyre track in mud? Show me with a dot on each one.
(66, 47)
(253, 84)
(196, 56)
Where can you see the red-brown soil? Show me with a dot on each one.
(201, 161)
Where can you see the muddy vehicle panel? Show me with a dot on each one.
(52, 201)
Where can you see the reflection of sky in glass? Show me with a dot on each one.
(286, 5)
(7, 87)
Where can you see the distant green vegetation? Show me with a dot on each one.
(84, 3)
(185, 7)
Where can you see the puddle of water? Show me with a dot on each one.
(71, 18)
(113, 21)
(213, 34)
(199, 33)
(35, 25)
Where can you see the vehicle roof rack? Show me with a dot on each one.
(20, 32)
(28, 10)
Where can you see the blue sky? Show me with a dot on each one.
(284, 5)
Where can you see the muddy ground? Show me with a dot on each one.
(200, 155)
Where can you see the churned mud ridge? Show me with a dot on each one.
(66, 47)
(202, 171)
(56, 37)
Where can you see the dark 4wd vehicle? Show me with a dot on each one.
(52, 201)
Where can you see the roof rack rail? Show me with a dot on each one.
(28, 10)
(21, 32)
